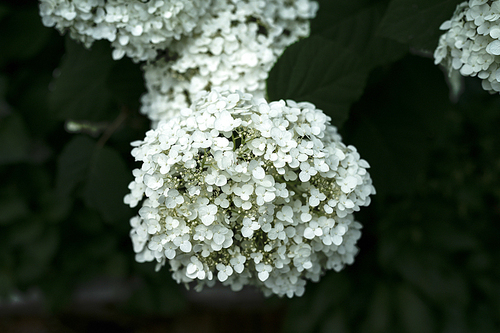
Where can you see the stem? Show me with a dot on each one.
(113, 127)
(204, 160)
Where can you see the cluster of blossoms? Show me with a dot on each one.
(134, 27)
(234, 47)
(189, 45)
(471, 43)
(242, 191)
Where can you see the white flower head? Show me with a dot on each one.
(248, 221)
(471, 44)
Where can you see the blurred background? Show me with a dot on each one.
(429, 258)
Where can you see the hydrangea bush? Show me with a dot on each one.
(248, 192)
(471, 42)
(428, 252)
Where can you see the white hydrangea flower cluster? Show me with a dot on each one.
(246, 192)
(134, 27)
(233, 48)
(471, 44)
(189, 45)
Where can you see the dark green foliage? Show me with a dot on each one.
(333, 83)
(79, 91)
(428, 261)
(330, 68)
(73, 163)
(14, 139)
(23, 35)
(106, 185)
(416, 22)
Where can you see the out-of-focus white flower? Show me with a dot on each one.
(251, 219)
(135, 28)
(471, 42)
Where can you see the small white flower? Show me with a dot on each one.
(221, 143)
(264, 195)
(225, 159)
(238, 263)
(263, 271)
(214, 178)
(259, 173)
(307, 170)
(244, 192)
(195, 269)
(285, 214)
(225, 122)
(224, 272)
(347, 184)
(207, 214)
(153, 182)
(313, 230)
(316, 197)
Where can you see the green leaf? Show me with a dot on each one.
(73, 163)
(80, 91)
(106, 185)
(4, 10)
(26, 231)
(416, 22)
(54, 207)
(13, 208)
(4, 83)
(43, 249)
(355, 30)
(394, 148)
(455, 319)
(58, 291)
(336, 323)
(330, 68)
(379, 311)
(394, 127)
(414, 314)
(14, 139)
(6, 284)
(117, 264)
(126, 83)
(330, 12)
(319, 302)
(320, 71)
(26, 35)
(432, 279)
(32, 92)
(102, 172)
(453, 239)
